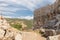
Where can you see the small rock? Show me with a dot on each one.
(18, 36)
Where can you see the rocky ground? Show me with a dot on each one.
(32, 36)
(9, 33)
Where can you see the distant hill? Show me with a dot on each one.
(15, 22)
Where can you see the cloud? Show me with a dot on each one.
(7, 16)
(52, 1)
(25, 3)
(30, 4)
(7, 13)
(5, 8)
(21, 17)
(26, 17)
(9, 7)
(3, 4)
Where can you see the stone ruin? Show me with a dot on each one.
(7, 32)
(48, 19)
(47, 16)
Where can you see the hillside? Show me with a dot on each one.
(16, 23)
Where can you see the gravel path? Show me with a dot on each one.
(32, 36)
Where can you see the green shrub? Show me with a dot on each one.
(17, 26)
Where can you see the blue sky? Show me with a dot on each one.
(23, 9)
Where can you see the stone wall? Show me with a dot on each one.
(46, 16)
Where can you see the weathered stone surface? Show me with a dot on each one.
(18, 37)
(7, 32)
(3, 23)
(1, 33)
(56, 37)
(47, 16)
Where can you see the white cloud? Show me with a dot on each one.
(3, 4)
(26, 17)
(25, 3)
(7, 13)
(7, 16)
(36, 1)
(8, 9)
(30, 4)
(21, 17)
(52, 1)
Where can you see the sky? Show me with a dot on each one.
(23, 9)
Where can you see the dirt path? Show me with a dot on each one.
(32, 36)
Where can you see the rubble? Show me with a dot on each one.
(48, 17)
(7, 32)
(56, 37)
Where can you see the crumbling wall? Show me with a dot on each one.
(46, 17)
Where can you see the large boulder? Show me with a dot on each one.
(7, 32)
(18, 37)
(56, 37)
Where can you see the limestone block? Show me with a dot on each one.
(56, 37)
(18, 37)
(1, 33)
(9, 34)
